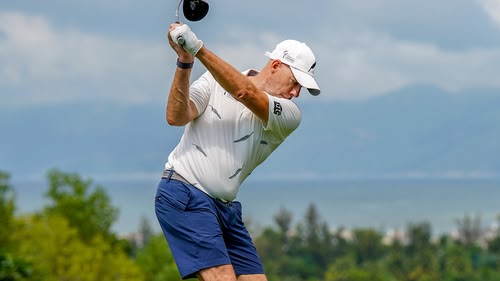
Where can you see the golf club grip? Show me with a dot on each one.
(180, 40)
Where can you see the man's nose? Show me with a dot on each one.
(296, 91)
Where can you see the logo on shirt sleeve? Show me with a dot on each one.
(277, 108)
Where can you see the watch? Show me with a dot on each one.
(184, 65)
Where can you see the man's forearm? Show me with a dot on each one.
(179, 110)
(226, 75)
(235, 83)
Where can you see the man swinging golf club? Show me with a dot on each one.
(233, 121)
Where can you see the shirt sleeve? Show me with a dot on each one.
(284, 117)
(200, 91)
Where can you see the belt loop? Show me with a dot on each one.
(170, 173)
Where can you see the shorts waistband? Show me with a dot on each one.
(171, 174)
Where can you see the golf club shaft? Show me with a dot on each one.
(180, 39)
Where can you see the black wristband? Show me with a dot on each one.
(184, 65)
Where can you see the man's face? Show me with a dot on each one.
(285, 84)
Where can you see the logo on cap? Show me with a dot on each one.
(288, 57)
(312, 67)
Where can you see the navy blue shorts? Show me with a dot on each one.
(203, 232)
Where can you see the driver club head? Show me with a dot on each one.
(195, 10)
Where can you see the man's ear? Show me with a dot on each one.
(275, 65)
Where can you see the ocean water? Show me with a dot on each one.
(379, 204)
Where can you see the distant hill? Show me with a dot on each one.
(420, 129)
(415, 131)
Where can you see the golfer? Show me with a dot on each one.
(233, 121)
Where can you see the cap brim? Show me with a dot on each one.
(306, 81)
(269, 55)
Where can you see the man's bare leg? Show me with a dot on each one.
(226, 273)
(252, 277)
(217, 273)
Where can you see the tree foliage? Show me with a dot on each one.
(14, 269)
(11, 268)
(87, 211)
(56, 252)
(156, 260)
(71, 238)
(362, 254)
(7, 209)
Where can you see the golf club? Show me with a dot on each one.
(194, 10)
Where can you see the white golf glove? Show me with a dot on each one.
(184, 37)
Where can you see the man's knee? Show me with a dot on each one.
(252, 277)
(217, 273)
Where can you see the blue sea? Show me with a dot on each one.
(380, 204)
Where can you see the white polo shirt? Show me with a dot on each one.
(226, 142)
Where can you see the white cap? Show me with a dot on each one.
(301, 60)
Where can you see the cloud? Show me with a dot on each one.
(358, 57)
(43, 64)
(359, 64)
(492, 8)
(364, 64)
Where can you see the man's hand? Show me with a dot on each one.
(182, 36)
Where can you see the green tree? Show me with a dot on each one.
(56, 252)
(156, 261)
(337, 269)
(419, 236)
(284, 221)
(273, 246)
(340, 245)
(457, 265)
(469, 229)
(12, 269)
(145, 230)
(90, 213)
(310, 248)
(7, 209)
(318, 239)
(347, 269)
(422, 260)
(270, 250)
(135, 242)
(494, 244)
(395, 261)
(367, 245)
